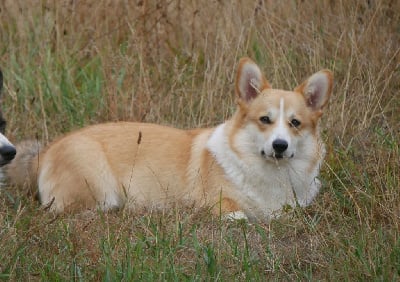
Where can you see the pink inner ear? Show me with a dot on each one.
(249, 80)
(314, 97)
(317, 89)
(250, 91)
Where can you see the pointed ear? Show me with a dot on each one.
(317, 89)
(249, 80)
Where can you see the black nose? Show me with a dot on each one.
(8, 152)
(280, 145)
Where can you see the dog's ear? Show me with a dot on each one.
(317, 89)
(249, 80)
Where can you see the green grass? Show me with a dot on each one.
(68, 64)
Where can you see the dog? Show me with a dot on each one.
(265, 157)
(7, 149)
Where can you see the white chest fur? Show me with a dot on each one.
(264, 187)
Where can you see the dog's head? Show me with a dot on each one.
(7, 150)
(282, 124)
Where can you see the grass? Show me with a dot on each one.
(68, 64)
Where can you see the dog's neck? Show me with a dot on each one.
(266, 183)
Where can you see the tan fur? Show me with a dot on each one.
(154, 172)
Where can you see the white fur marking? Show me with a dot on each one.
(281, 131)
(281, 110)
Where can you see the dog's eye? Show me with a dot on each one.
(265, 120)
(295, 123)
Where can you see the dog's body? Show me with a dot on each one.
(266, 156)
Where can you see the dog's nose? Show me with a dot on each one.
(8, 152)
(280, 145)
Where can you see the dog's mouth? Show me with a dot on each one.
(276, 155)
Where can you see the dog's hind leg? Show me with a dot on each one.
(76, 174)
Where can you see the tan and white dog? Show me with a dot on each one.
(266, 156)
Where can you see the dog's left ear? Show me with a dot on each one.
(317, 89)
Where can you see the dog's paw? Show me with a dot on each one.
(313, 191)
(236, 215)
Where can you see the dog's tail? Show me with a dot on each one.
(22, 171)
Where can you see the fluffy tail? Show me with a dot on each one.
(22, 171)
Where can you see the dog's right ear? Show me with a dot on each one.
(249, 80)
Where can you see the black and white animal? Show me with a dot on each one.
(7, 149)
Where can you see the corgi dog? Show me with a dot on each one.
(266, 156)
(7, 149)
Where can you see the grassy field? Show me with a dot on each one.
(67, 64)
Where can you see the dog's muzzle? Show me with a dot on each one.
(279, 147)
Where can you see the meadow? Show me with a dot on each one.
(69, 63)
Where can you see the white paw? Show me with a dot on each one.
(314, 190)
(311, 194)
(237, 215)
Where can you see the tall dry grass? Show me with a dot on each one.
(72, 63)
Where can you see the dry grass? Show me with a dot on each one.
(72, 63)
